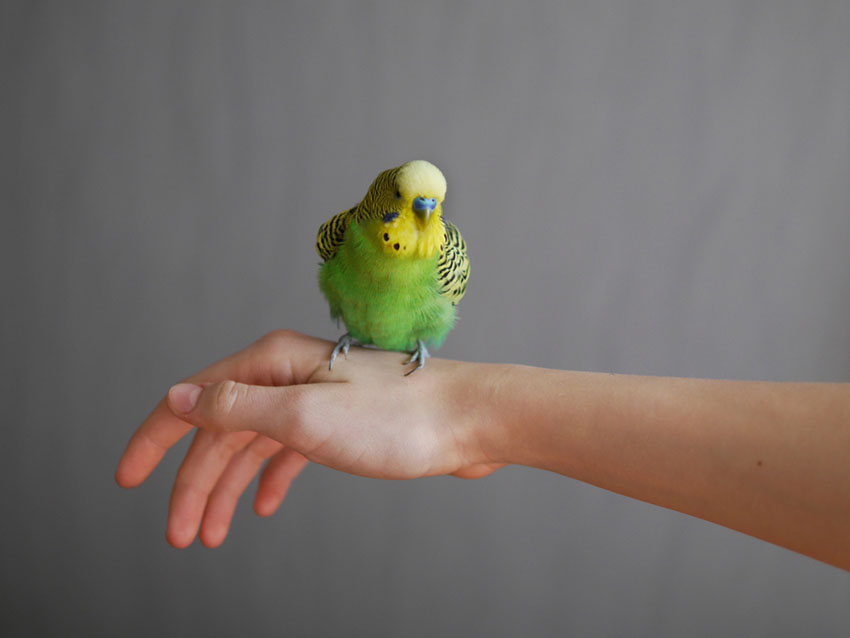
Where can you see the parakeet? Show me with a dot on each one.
(393, 269)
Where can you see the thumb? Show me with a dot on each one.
(228, 406)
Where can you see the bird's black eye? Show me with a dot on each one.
(398, 194)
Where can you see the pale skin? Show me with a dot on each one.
(767, 459)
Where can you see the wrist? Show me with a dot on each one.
(535, 417)
(495, 404)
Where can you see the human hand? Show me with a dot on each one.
(277, 401)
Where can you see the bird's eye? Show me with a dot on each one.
(398, 194)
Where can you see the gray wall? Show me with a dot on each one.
(645, 187)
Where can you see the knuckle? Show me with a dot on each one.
(283, 336)
(225, 397)
(277, 340)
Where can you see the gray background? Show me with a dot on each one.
(645, 187)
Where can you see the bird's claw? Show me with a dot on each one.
(344, 343)
(419, 355)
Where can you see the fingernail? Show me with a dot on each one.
(183, 397)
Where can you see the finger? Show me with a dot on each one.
(275, 480)
(159, 431)
(225, 495)
(205, 462)
(262, 363)
(285, 414)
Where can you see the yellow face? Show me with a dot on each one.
(406, 210)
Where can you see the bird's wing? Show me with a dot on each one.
(453, 265)
(331, 233)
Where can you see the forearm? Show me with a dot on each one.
(768, 459)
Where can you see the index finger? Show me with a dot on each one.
(280, 358)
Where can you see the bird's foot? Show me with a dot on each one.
(419, 356)
(344, 343)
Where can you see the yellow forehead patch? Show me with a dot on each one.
(421, 179)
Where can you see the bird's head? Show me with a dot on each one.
(404, 207)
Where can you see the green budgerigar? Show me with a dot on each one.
(393, 268)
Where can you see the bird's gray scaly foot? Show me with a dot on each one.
(419, 356)
(344, 343)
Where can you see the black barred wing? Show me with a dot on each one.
(453, 265)
(331, 233)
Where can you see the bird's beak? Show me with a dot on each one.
(423, 207)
